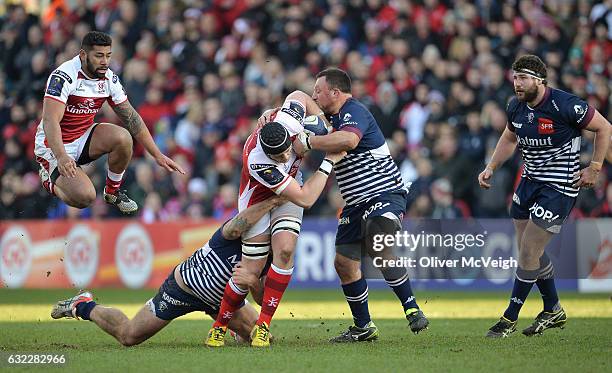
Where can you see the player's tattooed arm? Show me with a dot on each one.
(132, 121)
(242, 222)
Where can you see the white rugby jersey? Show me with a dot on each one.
(261, 176)
(83, 97)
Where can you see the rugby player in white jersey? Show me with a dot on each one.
(270, 167)
(67, 136)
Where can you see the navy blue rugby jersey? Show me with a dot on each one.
(548, 137)
(368, 170)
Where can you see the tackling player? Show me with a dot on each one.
(546, 124)
(270, 166)
(375, 196)
(67, 136)
(194, 285)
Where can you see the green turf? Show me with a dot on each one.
(449, 345)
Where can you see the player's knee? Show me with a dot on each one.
(376, 228)
(123, 138)
(285, 252)
(128, 339)
(347, 269)
(83, 198)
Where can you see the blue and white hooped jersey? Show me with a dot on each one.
(548, 137)
(368, 170)
(207, 271)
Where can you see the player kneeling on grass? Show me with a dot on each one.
(189, 287)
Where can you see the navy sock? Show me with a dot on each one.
(83, 309)
(356, 294)
(401, 287)
(549, 293)
(522, 286)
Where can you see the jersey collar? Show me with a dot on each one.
(544, 98)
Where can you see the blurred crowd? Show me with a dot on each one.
(435, 74)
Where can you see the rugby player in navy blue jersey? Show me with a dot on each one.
(196, 284)
(375, 196)
(546, 124)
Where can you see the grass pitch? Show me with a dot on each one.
(304, 322)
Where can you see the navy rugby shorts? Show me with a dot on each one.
(545, 206)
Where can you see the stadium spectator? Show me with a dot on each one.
(440, 63)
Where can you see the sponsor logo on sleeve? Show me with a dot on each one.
(295, 110)
(56, 83)
(271, 175)
(517, 125)
(115, 78)
(579, 109)
(63, 75)
(347, 117)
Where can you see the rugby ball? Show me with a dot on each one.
(315, 126)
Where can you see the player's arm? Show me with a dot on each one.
(132, 121)
(233, 229)
(53, 112)
(338, 141)
(306, 195)
(255, 284)
(603, 131)
(506, 145)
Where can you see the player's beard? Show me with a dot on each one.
(93, 73)
(529, 94)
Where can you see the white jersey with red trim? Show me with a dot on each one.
(83, 97)
(261, 176)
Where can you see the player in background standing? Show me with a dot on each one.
(546, 124)
(375, 196)
(67, 136)
(270, 166)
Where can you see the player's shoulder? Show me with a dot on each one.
(111, 76)
(69, 70)
(513, 104)
(354, 106)
(218, 241)
(353, 111)
(562, 96)
(257, 159)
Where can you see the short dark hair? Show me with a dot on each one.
(95, 38)
(336, 78)
(531, 63)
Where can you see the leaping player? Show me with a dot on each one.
(67, 136)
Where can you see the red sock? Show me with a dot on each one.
(49, 186)
(276, 282)
(232, 299)
(113, 182)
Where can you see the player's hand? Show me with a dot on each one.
(168, 164)
(484, 179)
(299, 144)
(587, 178)
(66, 166)
(335, 157)
(267, 116)
(242, 277)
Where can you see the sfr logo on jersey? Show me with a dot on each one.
(545, 126)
